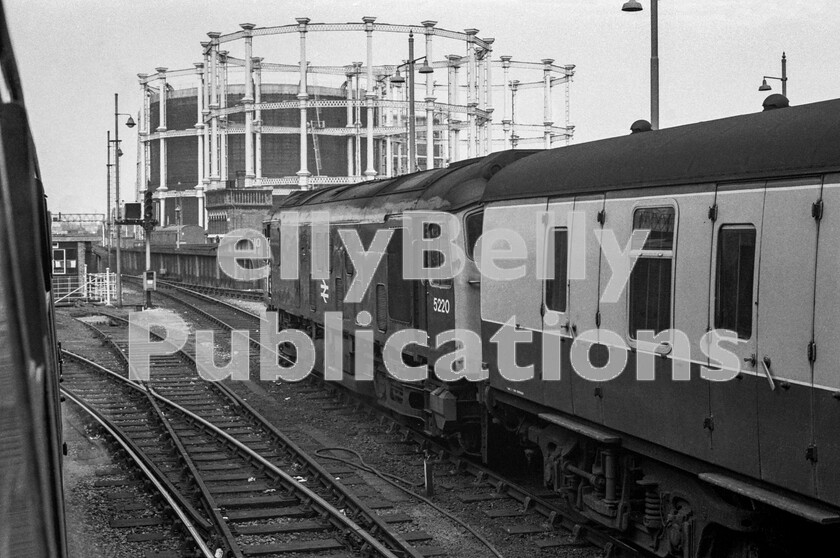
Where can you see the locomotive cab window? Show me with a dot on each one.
(649, 293)
(433, 259)
(734, 280)
(555, 288)
(473, 224)
(400, 291)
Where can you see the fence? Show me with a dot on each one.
(97, 287)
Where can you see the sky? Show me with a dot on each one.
(73, 55)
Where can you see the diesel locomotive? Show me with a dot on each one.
(741, 223)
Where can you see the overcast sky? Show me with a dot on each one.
(75, 54)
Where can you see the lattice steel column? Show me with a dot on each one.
(303, 174)
(370, 97)
(258, 119)
(199, 140)
(547, 121)
(206, 78)
(488, 95)
(453, 95)
(471, 100)
(430, 99)
(349, 125)
(142, 135)
(248, 101)
(506, 101)
(223, 103)
(161, 129)
(214, 108)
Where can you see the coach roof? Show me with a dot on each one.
(785, 142)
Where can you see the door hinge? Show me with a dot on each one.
(602, 216)
(713, 210)
(598, 319)
(812, 351)
(817, 210)
(811, 453)
(542, 309)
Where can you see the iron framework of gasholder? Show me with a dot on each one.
(458, 129)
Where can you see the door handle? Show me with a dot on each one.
(766, 364)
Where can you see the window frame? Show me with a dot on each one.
(469, 251)
(654, 203)
(717, 267)
(549, 232)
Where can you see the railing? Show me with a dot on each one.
(97, 287)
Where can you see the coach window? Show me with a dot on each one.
(734, 281)
(400, 290)
(473, 224)
(555, 288)
(650, 281)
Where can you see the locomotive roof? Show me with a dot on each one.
(784, 142)
(447, 189)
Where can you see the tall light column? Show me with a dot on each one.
(635, 6)
(303, 96)
(370, 97)
(225, 120)
(248, 101)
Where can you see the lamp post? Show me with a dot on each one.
(397, 79)
(783, 79)
(117, 154)
(634, 6)
(109, 214)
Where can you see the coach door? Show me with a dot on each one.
(785, 329)
(826, 332)
(734, 292)
(556, 306)
(584, 287)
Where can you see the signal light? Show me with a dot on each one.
(148, 210)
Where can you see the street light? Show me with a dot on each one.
(397, 79)
(634, 6)
(765, 87)
(117, 153)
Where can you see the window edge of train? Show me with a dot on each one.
(433, 259)
(470, 236)
(657, 248)
(719, 321)
(561, 265)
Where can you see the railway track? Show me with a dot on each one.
(163, 513)
(525, 510)
(262, 493)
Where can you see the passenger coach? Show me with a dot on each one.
(744, 221)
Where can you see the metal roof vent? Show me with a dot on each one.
(640, 126)
(775, 101)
